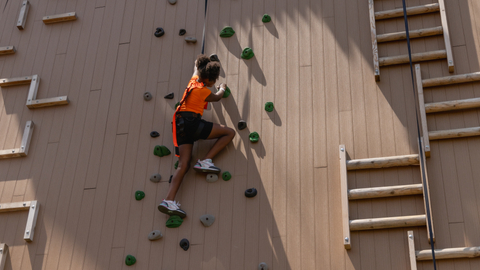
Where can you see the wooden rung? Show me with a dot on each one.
(27, 137)
(446, 36)
(7, 50)
(344, 196)
(387, 222)
(452, 105)
(22, 17)
(373, 36)
(382, 162)
(3, 255)
(382, 192)
(411, 250)
(15, 81)
(15, 206)
(47, 102)
(416, 57)
(11, 153)
(463, 78)
(422, 113)
(70, 16)
(448, 253)
(425, 187)
(454, 133)
(31, 221)
(427, 32)
(395, 13)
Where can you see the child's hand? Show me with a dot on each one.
(222, 85)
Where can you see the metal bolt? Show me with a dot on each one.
(28, 232)
(24, 204)
(29, 100)
(342, 149)
(37, 101)
(346, 239)
(7, 48)
(13, 151)
(19, 21)
(33, 206)
(410, 236)
(60, 98)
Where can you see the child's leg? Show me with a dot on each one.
(183, 166)
(224, 134)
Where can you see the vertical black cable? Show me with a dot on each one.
(204, 22)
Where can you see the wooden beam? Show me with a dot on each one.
(70, 16)
(47, 102)
(454, 133)
(32, 91)
(425, 186)
(382, 192)
(22, 17)
(373, 35)
(387, 222)
(423, 114)
(7, 50)
(416, 57)
(395, 13)
(15, 206)
(31, 221)
(411, 251)
(382, 162)
(427, 32)
(448, 253)
(446, 36)
(452, 105)
(344, 197)
(463, 78)
(11, 153)
(3, 255)
(15, 81)
(27, 137)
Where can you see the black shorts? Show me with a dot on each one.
(187, 136)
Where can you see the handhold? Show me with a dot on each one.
(226, 176)
(263, 266)
(182, 32)
(191, 40)
(266, 18)
(161, 150)
(227, 31)
(147, 96)
(155, 178)
(160, 32)
(214, 58)
(184, 244)
(172, 2)
(176, 165)
(227, 93)
(130, 260)
(174, 222)
(269, 107)
(177, 104)
(155, 235)
(211, 178)
(154, 134)
(170, 180)
(247, 53)
(251, 192)
(169, 96)
(254, 137)
(139, 195)
(242, 124)
(207, 220)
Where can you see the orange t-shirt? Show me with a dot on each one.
(196, 100)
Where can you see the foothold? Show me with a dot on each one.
(177, 104)
(211, 178)
(147, 96)
(184, 244)
(227, 93)
(263, 266)
(161, 150)
(242, 124)
(155, 178)
(154, 134)
(172, 2)
(247, 53)
(191, 40)
(169, 96)
(251, 192)
(182, 32)
(207, 220)
(226, 176)
(266, 18)
(170, 180)
(254, 137)
(159, 32)
(227, 31)
(174, 222)
(269, 107)
(176, 165)
(139, 195)
(214, 58)
(130, 260)
(155, 235)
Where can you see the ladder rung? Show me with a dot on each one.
(7, 50)
(463, 78)
(448, 253)
(452, 105)
(15, 81)
(454, 133)
(382, 192)
(416, 57)
(382, 162)
(395, 13)
(387, 222)
(413, 34)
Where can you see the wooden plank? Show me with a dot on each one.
(416, 57)
(64, 17)
(27, 137)
(446, 36)
(15, 206)
(373, 34)
(31, 221)
(7, 50)
(462, 78)
(452, 105)
(3, 255)
(387, 222)
(22, 17)
(411, 251)
(382, 162)
(344, 197)
(426, 32)
(380, 192)
(425, 186)
(33, 89)
(421, 106)
(454, 133)
(395, 13)
(47, 102)
(15, 81)
(448, 253)
(11, 153)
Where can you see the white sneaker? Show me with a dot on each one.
(171, 208)
(206, 166)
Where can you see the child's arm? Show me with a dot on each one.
(195, 71)
(217, 96)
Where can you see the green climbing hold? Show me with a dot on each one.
(227, 31)
(174, 222)
(161, 150)
(266, 18)
(254, 137)
(247, 53)
(176, 165)
(130, 260)
(227, 93)
(226, 176)
(269, 106)
(177, 104)
(139, 195)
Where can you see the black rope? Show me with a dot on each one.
(204, 22)
(420, 146)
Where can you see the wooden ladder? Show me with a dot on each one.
(416, 57)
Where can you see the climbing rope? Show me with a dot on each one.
(204, 22)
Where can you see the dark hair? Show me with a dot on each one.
(207, 69)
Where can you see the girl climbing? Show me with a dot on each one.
(188, 127)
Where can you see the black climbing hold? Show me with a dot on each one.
(211, 178)
(139, 195)
(161, 150)
(184, 244)
(269, 107)
(172, 2)
(155, 178)
(147, 96)
(227, 93)
(160, 32)
(254, 137)
(266, 18)
(214, 58)
(176, 165)
(247, 53)
(182, 32)
(130, 260)
(170, 180)
(169, 96)
(242, 124)
(154, 134)
(251, 192)
(155, 235)
(174, 222)
(227, 31)
(177, 104)
(191, 40)
(226, 176)
(207, 220)
(263, 266)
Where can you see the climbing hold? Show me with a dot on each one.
(227, 93)
(177, 104)
(263, 266)
(211, 177)
(247, 53)
(242, 124)
(191, 40)
(182, 32)
(172, 2)
(254, 137)
(161, 150)
(139, 195)
(155, 235)
(184, 244)
(214, 58)
(251, 192)
(227, 31)
(130, 260)
(226, 176)
(176, 165)
(170, 180)
(207, 220)
(159, 32)
(156, 177)
(147, 96)
(169, 96)
(154, 134)
(269, 107)
(266, 18)
(174, 222)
